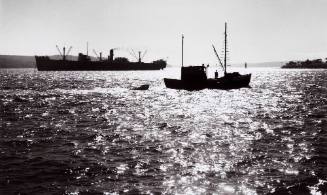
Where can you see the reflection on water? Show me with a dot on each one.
(75, 132)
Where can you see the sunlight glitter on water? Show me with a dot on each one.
(255, 140)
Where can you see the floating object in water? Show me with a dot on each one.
(142, 87)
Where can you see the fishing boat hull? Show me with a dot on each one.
(229, 82)
(225, 83)
(180, 84)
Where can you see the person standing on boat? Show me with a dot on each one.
(216, 74)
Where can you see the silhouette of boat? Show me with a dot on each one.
(84, 62)
(142, 87)
(195, 77)
(192, 78)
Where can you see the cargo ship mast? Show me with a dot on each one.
(140, 55)
(64, 54)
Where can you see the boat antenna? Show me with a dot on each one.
(96, 54)
(221, 64)
(59, 51)
(131, 51)
(134, 54)
(182, 50)
(87, 48)
(70, 48)
(225, 72)
(144, 54)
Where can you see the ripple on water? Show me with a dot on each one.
(75, 132)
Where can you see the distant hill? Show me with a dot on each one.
(15, 61)
(262, 64)
(316, 63)
(274, 64)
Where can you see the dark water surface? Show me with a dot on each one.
(87, 132)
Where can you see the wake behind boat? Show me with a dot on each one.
(195, 77)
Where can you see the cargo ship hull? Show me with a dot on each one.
(44, 63)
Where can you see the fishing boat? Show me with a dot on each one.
(195, 77)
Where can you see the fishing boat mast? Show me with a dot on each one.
(225, 72)
(182, 50)
(221, 64)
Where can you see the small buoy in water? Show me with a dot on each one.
(142, 87)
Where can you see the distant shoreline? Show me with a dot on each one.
(307, 64)
(20, 61)
(16, 61)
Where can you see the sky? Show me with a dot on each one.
(258, 30)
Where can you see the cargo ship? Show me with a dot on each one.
(85, 63)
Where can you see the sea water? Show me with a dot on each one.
(88, 132)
